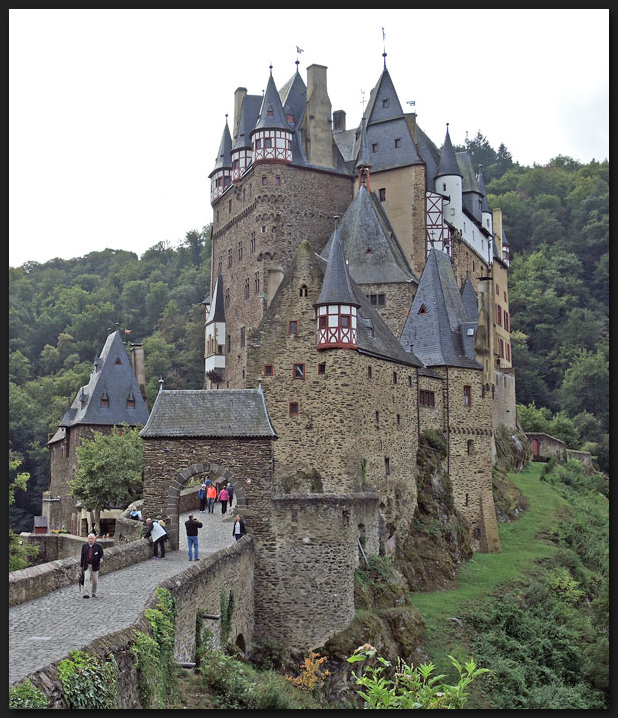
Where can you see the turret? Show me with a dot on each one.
(336, 306)
(271, 137)
(221, 176)
(449, 180)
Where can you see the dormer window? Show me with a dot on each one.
(270, 112)
(118, 360)
(105, 401)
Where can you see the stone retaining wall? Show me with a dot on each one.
(35, 581)
(197, 589)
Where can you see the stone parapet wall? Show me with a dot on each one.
(197, 589)
(35, 581)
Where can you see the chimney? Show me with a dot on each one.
(139, 368)
(318, 124)
(239, 96)
(338, 121)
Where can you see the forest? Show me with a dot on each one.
(556, 219)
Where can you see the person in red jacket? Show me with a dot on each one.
(211, 495)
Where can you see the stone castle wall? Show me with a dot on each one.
(277, 206)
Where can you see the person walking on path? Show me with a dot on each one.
(92, 556)
(230, 491)
(157, 532)
(238, 530)
(211, 495)
(223, 498)
(193, 525)
(201, 495)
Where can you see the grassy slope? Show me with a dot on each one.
(522, 544)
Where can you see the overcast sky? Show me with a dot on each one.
(116, 115)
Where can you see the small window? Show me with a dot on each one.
(394, 377)
(470, 447)
(118, 360)
(242, 337)
(386, 103)
(299, 371)
(467, 396)
(293, 408)
(382, 194)
(398, 142)
(409, 380)
(303, 291)
(377, 417)
(369, 372)
(374, 147)
(322, 368)
(268, 370)
(104, 403)
(277, 180)
(398, 419)
(293, 326)
(387, 466)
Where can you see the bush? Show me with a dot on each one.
(25, 695)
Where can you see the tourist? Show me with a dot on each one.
(157, 531)
(223, 498)
(193, 525)
(238, 530)
(91, 559)
(211, 495)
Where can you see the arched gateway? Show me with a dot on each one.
(226, 433)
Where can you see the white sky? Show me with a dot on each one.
(116, 115)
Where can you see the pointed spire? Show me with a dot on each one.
(363, 163)
(336, 287)
(224, 156)
(271, 115)
(448, 161)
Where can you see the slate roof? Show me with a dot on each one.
(448, 161)
(217, 309)
(113, 379)
(249, 112)
(470, 300)
(207, 413)
(437, 327)
(224, 156)
(272, 116)
(373, 334)
(336, 286)
(372, 252)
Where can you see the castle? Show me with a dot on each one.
(359, 298)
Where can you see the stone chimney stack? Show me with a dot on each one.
(318, 129)
(239, 96)
(139, 367)
(338, 121)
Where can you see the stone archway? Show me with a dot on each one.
(215, 471)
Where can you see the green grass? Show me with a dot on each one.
(522, 544)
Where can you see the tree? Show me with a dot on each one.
(110, 470)
(19, 554)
